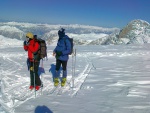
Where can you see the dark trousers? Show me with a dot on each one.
(59, 63)
(34, 72)
(64, 66)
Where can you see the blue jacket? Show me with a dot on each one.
(64, 46)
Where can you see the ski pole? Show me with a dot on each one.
(1, 71)
(34, 78)
(72, 70)
(74, 63)
(41, 76)
(73, 66)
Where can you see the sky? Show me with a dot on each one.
(103, 13)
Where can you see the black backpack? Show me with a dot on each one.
(43, 48)
(71, 42)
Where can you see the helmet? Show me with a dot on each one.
(29, 35)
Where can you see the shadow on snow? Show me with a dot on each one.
(42, 109)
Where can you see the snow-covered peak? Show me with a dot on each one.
(137, 31)
(134, 28)
(139, 23)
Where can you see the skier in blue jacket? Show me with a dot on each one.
(61, 52)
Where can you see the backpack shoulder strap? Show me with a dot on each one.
(66, 39)
(35, 42)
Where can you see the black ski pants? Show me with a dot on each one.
(58, 64)
(34, 74)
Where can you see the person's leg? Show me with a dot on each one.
(58, 64)
(56, 76)
(37, 77)
(64, 78)
(31, 74)
(64, 66)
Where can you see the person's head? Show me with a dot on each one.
(61, 33)
(29, 36)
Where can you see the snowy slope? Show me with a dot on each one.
(8, 42)
(108, 79)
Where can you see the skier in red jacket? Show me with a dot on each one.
(32, 47)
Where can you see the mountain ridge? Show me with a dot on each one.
(49, 32)
(135, 32)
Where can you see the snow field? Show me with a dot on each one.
(108, 79)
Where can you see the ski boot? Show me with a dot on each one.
(31, 87)
(56, 82)
(37, 88)
(63, 82)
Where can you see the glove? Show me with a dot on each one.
(25, 43)
(58, 54)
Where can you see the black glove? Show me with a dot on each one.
(58, 54)
(25, 43)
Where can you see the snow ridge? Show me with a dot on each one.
(48, 32)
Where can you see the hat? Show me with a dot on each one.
(61, 32)
(29, 35)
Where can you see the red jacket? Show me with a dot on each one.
(32, 48)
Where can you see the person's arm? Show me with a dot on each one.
(25, 45)
(34, 48)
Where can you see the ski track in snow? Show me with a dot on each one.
(79, 81)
